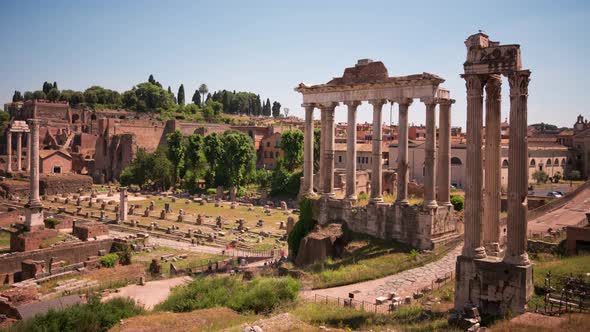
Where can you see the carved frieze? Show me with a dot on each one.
(493, 60)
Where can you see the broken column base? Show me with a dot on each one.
(34, 218)
(495, 287)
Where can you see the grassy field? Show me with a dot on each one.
(193, 258)
(367, 258)
(208, 212)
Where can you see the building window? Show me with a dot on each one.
(548, 163)
(456, 161)
(533, 163)
(277, 154)
(556, 162)
(268, 144)
(339, 159)
(57, 169)
(563, 162)
(505, 163)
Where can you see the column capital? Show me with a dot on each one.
(474, 84)
(378, 102)
(352, 104)
(428, 101)
(494, 87)
(328, 105)
(36, 122)
(519, 83)
(446, 102)
(402, 101)
(311, 106)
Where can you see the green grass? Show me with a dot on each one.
(368, 259)
(261, 295)
(4, 240)
(559, 266)
(52, 240)
(408, 318)
(193, 258)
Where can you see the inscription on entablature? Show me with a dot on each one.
(493, 60)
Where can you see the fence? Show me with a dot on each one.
(566, 294)
(382, 308)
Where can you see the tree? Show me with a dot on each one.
(90, 97)
(203, 89)
(238, 160)
(53, 94)
(170, 92)
(176, 151)
(28, 95)
(266, 108)
(213, 150)
(4, 121)
(292, 145)
(276, 109)
(151, 79)
(147, 97)
(212, 110)
(540, 176)
(76, 98)
(557, 177)
(39, 95)
(54, 85)
(47, 87)
(180, 95)
(17, 96)
(196, 97)
(575, 175)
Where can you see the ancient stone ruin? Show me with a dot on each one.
(424, 226)
(494, 274)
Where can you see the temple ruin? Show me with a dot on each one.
(493, 270)
(424, 226)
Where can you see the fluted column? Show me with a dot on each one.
(28, 169)
(308, 150)
(323, 133)
(402, 154)
(8, 151)
(19, 151)
(351, 150)
(328, 175)
(377, 167)
(518, 170)
(473, 246)
(122, 204)
(443, 172)
(491, 214)
(430, 156)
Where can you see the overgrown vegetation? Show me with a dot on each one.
(303, 227)
(92, 317)
(109, 260)
(51, 223)
(458, 202)
(261, 295)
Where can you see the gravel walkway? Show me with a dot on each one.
(403, 283)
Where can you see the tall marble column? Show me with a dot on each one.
(28, 169)
(351, 150)
(491, 212)
(430, 156)
(402, 155)
(518, 170)
(323, 133)
(377, 153)
(473, 246)
(328, 175)
(308, 150)
(19, 151)
(34, 209)
(8, 151)
(443, 172)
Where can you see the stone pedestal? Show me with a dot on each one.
(497, 288)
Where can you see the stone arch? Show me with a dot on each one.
(533, 163)
(93, 117)
(548, 163)
(563, 162)
(505, 163)
(456, 161)
(75, 118)
(556, 162)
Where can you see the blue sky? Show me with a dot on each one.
(268, 47)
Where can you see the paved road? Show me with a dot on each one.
(571, 214)
(403, 283)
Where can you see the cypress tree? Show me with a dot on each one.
(181, 95)
(197, 97)
(55, 85)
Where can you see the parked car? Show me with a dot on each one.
(554, 194)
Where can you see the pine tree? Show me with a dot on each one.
(151, 79)
(266, 110)
(17, 96)
(276, 109)
(170, 92)
(47, 87)
(258, 106)
(225, 100)
(55, 85)
(181, 95)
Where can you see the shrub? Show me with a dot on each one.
(91, 317)
(109, 260)
(261, 295)
(303, 227)
(123, 250)
(51, 223)
(211, 191)
(363, 196)
(458, 202)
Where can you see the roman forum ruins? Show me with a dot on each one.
(497, 281)
(425, 226)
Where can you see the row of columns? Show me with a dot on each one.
(433, 189)
(482, 229)
(19, 151)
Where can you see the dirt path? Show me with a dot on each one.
(151, 294)
(403, 283)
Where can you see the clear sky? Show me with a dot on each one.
(268, 47)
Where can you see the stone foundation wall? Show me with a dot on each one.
(71, 253)
(59, 184)
(406, 224)
(535, 246)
